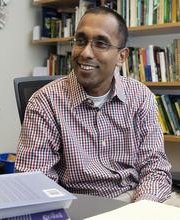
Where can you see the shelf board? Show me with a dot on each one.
(172, 138)
(158, 29)
(163, 84)
(62, 3)
(50, 41)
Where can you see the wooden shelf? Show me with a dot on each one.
(62, 3)
(172, 138)
(163, 84)
(50, 41)
(158, 29)
(165, 88)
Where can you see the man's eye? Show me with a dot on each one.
(101, 44)
(80, 42)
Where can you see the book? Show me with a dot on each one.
(161, 115)
(162, 66)
(127, 2)
(172, 117)
(156, 51)
(59, 214)
(133, 13)
(167, 11)
(141, 210)
(150, 12)
(161, 12)
(155, 10)
(177, 106)
(29, 193)
(174, 11)
(178, 10)
(175, 100)
(49, 18)
(141, 64)
(139, 12)
(152, 63)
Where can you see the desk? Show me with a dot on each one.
(86, 206)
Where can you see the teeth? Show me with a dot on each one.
(86, 67)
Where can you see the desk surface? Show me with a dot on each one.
(86, 206)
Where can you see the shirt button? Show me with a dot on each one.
(98, 113)
(104, 143)
(89, 101)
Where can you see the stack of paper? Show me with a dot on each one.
(27, 193)
(141, 210)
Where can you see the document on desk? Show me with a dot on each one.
(30, 192)
(141, 210)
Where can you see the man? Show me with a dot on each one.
(94, 131)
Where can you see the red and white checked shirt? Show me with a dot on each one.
(94, 151)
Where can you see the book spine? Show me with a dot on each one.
(141, 65)
(177, 106)
(161, 115)
(133, 13)
(168, 108)
(127, 13)
(150, 13)
(174, 11)
(178, 10)
(152, 64)
(162, 67)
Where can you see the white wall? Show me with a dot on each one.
(17, 58)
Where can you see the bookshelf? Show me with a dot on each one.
(161, 88)
(50, 41)
(133, 32)
(172, 138)
(157, 29)
(59, 3)
(166, 88)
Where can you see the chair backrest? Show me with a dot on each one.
(24, 88)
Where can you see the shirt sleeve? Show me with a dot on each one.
(40, 139)
(153, 166)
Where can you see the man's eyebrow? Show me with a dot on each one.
(102, 37)
(80, 34)
(97, 37)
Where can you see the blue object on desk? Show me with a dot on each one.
(6, 166)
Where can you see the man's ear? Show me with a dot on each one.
(123, 55)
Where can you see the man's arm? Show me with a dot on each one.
(153, 166)
(39, 141)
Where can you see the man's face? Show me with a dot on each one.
(94, 69)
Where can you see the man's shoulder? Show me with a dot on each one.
(54, 90)
(132, 85)
(57, 86)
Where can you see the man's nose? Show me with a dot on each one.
(88, 50)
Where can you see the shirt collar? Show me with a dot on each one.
(119, 89)
(78, 94)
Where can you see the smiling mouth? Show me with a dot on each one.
(87, 67)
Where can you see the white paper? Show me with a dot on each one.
(141, 210)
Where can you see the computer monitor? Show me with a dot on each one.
(25, 87)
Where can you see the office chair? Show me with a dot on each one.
(25, 86)
(176, 181)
